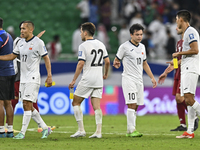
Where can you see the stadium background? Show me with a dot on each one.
(61, 17)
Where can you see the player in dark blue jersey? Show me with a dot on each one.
(7, 79)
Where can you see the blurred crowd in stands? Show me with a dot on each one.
(157, 16)
(116, 16)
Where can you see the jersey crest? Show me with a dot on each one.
(80, 53)
(191, 36)
(44, 48)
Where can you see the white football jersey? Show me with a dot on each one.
(15, 42)
(190, 63)
(92, 52)
(132, 57)
(30, 55)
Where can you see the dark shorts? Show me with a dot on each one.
(176, 87)
(7, 87)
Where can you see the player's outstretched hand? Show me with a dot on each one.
(71, 85)
(162, 78)
(154, 82)
(174, 55)
(41, 33)
(116, 64)
(170, 63)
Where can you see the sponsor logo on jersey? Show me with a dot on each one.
(30, 48)
(191, 36)
(21, 45)
(142, 53)
(132, 50)
(80, 53)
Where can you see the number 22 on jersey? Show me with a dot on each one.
(98, 55)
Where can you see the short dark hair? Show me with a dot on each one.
(185, 14)
(56, 37)
(1, 23)
(89, 27)
(136, 27)
(20, 25)
(30, 23)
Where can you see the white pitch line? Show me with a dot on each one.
(109, 133)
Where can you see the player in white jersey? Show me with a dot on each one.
(30, 49)
(190, 70)
(133, 56)
(91, 54)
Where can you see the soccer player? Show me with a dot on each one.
(91, 54)
(7, 79)
(181, 105)
(30, 49)
(190, 68)
(133, 56)
(16, 62)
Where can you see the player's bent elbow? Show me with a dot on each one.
(197, 51)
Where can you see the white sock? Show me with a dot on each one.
(6, 126)
(131, 120)
(38, 119)
(25, 121)
(2, 129)
(98, 118)
(10, 128)
(196, 107)
(183, 125)
(191, 118)
(79, 117)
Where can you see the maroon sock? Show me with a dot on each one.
(181, 112)
(14, 103)
(35, 105)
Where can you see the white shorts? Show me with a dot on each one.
(85, 92)
(29, 91)
(133, 92)
(189, 83)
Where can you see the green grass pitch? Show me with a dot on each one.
(156, 130)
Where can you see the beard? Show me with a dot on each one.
(83, 38)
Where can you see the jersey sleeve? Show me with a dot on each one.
(81, 53)
(16, 41)
(105, 54)
(191, 37)
(42, 49)
(145, 54)
(3, 38)
(120, 53)
(16, 50)
(1, 42)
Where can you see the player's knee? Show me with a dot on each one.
(189, 99)
(75, 103)
(132, 106)
(26, 106)
(1, 103)
(188, 102)
(179, 99)
(7, 103)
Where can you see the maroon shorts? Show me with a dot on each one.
(17, 88)
(176, 87)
